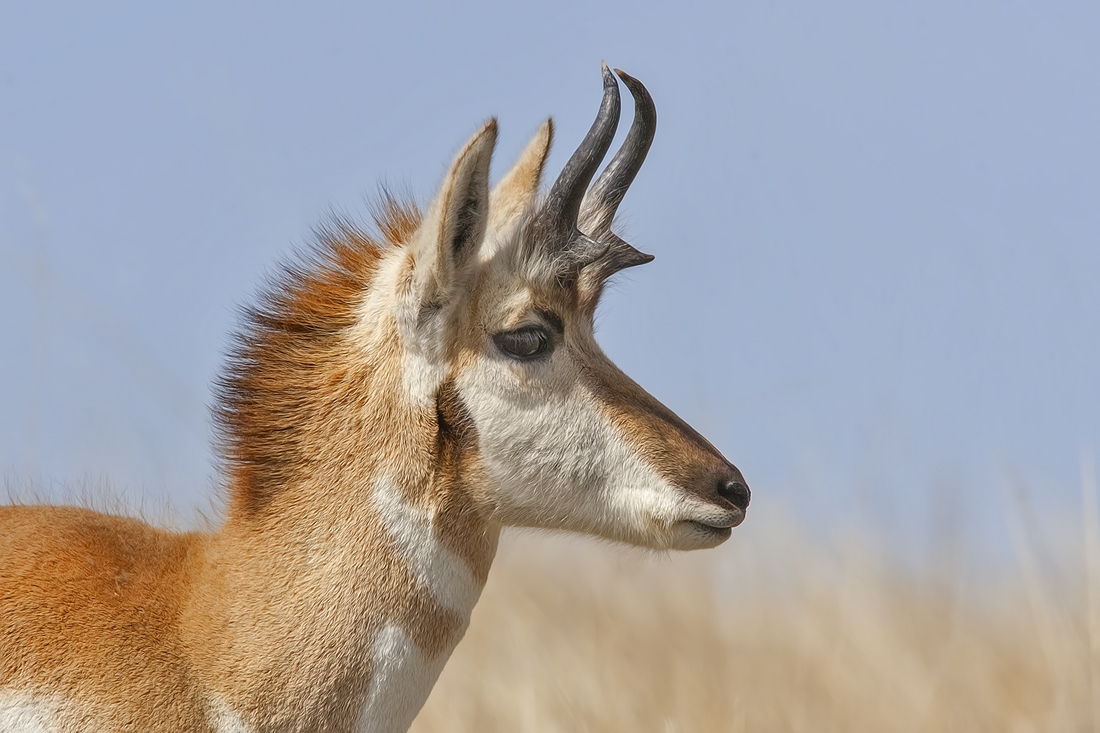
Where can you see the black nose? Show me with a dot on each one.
(735, 493)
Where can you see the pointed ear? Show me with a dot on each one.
(520, 186)
(448, 238)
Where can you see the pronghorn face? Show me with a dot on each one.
(495, 308)
(567, 441)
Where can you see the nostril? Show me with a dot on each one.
(735, 493)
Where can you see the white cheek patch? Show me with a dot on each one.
(29, 713)
(558, 462)
(400, 683)
(636, 487)
(445, 575)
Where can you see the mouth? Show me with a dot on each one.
(698, 534)
(706, 526)
(719, 533)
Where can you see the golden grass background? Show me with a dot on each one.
(781, 629)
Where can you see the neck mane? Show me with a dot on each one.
(352, 553)
(290, 363)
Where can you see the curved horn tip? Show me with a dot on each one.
(636, 87)
(608, 77)
(564, 201)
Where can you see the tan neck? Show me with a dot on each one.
(355, 575)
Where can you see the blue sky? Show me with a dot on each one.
(876, 224)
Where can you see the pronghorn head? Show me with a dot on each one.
(495, 299)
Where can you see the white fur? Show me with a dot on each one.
(555, 459)
(423, 369)
(424, 364)
(223, 719)
(402, 677)
(442, 573)
(24, 712)
(400, 683)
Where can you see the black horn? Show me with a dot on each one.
(603, 198)
(564, 201)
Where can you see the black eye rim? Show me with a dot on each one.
(505, 339)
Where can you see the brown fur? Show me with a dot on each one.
(679, 453)
(110, 586)
(287, 360)
(339, 413)
(147, 618)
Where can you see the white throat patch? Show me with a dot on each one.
(445, 576)
(400, 684)
(402, 677)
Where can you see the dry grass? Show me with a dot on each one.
(775, 631)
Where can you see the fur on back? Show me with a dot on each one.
(108, 584)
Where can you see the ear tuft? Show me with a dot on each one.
(466, 204)
(454, 226)
(520, 185)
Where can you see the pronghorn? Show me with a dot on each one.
(390, 406)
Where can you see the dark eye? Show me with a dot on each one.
(524, 343)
